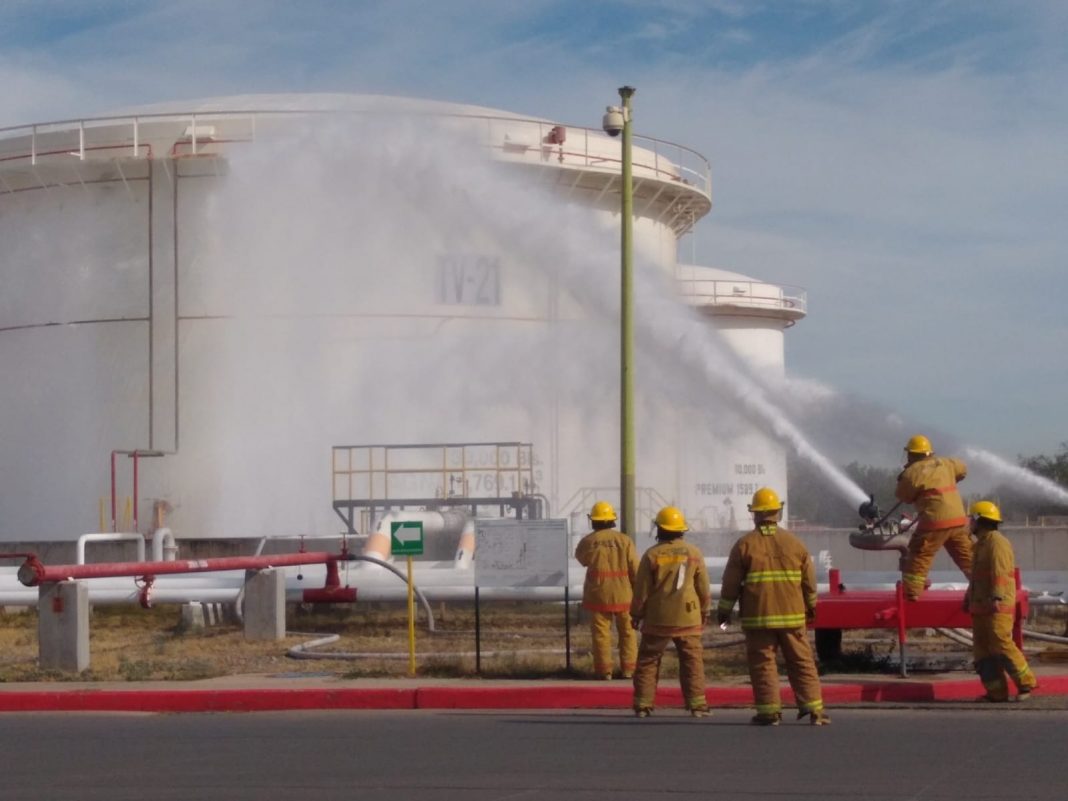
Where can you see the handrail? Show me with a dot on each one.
(689, 162)
(580, 499)
(494, 467)
(751, 294)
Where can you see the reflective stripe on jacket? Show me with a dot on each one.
(611, 563)
(770, 572)
(671, 591)
(930, 484)
(992, 589)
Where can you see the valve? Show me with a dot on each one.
(144, 597)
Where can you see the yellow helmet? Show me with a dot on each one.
(919, 444)
(765, 500)
(985, 509)
(670, 518)
(602, 511)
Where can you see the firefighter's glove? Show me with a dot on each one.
(704, 618)
(635, 622)
(723, 618)
(810, 614)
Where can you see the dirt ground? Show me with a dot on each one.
(516, 641)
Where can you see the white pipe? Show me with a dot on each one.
(447, 523)
(435, 581)
(439, 581)
(1038, 635)
(465, 550)
(109, 536)
(164, 548)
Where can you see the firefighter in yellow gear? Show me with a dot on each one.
(672, 602)
(611, 563)
(770, 574)
(991, 600)
(929, 483)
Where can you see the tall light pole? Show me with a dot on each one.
(616, 121)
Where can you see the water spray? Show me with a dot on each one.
(1018, 476)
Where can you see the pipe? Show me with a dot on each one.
(465, 550)
(164, 548)
(114, 511)
(109, 537)
(1038, 635)
(331, 592)
(436, 524)
(32, 573)
(136, 457)
(435, 581)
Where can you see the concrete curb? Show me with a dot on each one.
(533, 696)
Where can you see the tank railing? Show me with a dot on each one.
(663, 159)
(758, 294)
(648, 157)
(372, 472)
(648, 501)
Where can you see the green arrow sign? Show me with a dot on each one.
(406, 537)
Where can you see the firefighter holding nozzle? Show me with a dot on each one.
(770, 573)
(929, 483)
(991, 599)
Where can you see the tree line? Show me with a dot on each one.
(812, 503)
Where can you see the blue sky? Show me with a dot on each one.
(904, 162)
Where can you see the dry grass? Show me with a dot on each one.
(518, 640)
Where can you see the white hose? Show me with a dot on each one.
(957, 635)
(301, 651)
(304, 650)
(422, 598)
(1038, 635)
(961, 636)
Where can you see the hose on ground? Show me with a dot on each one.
(404, 578)
(303, 651)
(1038, 635)
(963, 637)
(306, 650)
(957, 635)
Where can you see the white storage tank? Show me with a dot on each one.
(273, 299)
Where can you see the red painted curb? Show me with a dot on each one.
(204, 700)
(524, 697)
(544, 696)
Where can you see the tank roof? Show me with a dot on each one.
(316, 102)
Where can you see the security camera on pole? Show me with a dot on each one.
(616, 121)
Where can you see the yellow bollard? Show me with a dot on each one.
(411, 621)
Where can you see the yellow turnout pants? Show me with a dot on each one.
(691, 669)
(601, 625)
(996, 654)
(760, 648)
(923, 546)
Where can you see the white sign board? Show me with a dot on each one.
(521, 553)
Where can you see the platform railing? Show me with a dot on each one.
(753, 294)
(510, 137)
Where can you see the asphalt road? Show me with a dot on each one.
(871, 754)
